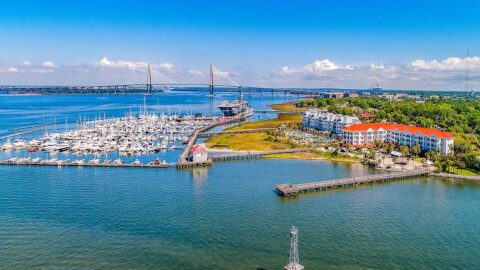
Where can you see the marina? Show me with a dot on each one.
(73, 206)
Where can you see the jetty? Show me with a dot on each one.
(295, 189)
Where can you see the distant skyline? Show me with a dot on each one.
(345, 44)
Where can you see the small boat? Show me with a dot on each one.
(19, 143)
(94, 161)
(118, 162)
(136, 162)
(7, 145)
(36, 160)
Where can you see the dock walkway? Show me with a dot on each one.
(84, 165)
(295, 189)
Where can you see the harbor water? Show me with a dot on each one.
(223, 217)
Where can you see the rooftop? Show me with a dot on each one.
(403, 128)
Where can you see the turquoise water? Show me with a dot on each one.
(228, 217)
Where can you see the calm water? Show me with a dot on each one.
(223, 217)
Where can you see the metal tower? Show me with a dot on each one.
(149, 80)
(211, 80)
(293, 260)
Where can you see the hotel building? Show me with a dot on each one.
(323, 120)
(366, 133)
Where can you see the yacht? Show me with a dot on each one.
(232, 108)
(7, 145)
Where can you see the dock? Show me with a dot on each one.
(21, 133)
(256, 154)
(84, 165)
(295, 189)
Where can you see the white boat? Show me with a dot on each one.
(94, 161)
(118, 161)
(7, 145)
(136, 162)
(36, 160)
(19, 143)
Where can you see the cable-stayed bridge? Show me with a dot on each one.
(150, 88)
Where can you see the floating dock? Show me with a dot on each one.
(295, 189)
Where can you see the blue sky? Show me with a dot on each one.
(250, 41)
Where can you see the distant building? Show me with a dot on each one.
(427, 138)
(350, 94)
(332, 94)
(323, 120)
(198, 154)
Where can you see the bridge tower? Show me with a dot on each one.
(293, 260)
(149, 80)
(211, 80)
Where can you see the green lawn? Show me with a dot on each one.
(462, 171)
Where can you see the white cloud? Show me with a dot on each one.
(318, 66)
(450, 63)
(122, 64)
(9, 70)
(26, 63)
(195, 72)
(446, 73)
(49, 64)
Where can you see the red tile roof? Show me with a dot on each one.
(402, 128)
(366, 115)
(198, 149)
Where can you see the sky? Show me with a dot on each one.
(284, 43)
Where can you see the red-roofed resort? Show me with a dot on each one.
(366, 133)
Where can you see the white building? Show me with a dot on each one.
(366, 133)
(323, 120)
(198, 154)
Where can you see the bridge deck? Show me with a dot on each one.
(292, 190)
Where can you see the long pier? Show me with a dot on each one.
(256, 154)
(255, 130)
(21, 133)
(84, 165)
(295, 189)
(33, 126)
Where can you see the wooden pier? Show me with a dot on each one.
(84, 165)
(21, 133)
(295, 189)
(255, 130)
(256, 154)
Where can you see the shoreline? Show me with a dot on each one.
(257, 142)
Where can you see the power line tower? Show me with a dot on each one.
(211, 80)
(293, 260)
(149, 80)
